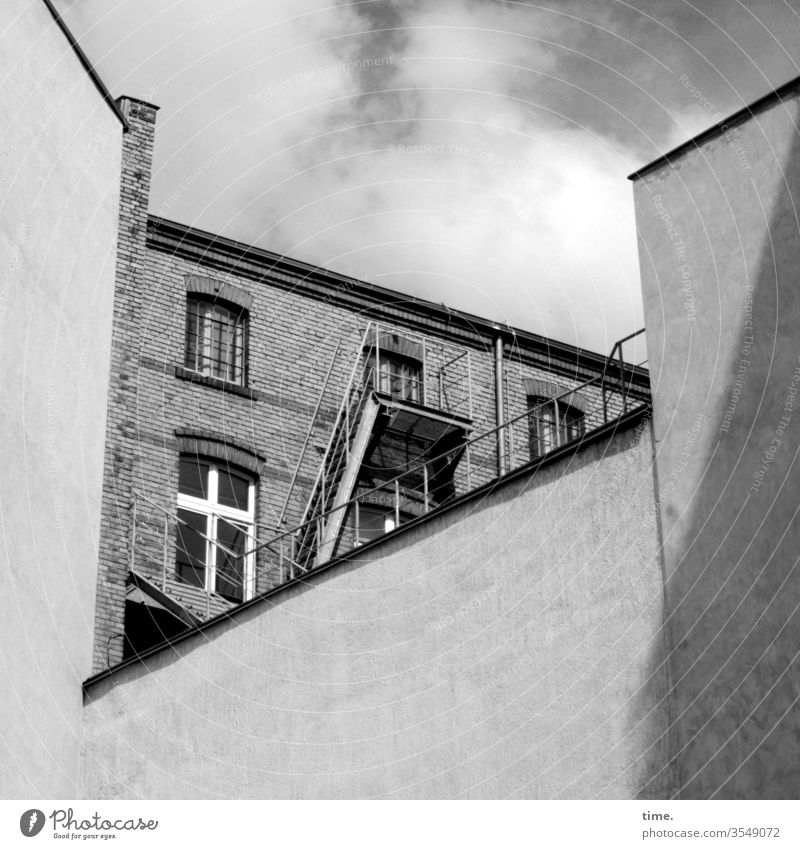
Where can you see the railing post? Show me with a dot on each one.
(469, 382)
(347, 432)
(423, 399)
(622, 382)
(396, 503)
(557, 419)
(133, 532)
(166, 546)
(425, 485)
(318, 540)
(378, 387)
(499, 405)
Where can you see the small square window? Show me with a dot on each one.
(216, 340)
(552, 423)
(399, 377)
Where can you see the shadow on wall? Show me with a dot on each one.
(735, 589)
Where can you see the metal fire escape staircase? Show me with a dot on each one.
(366, 419)
(356, 425)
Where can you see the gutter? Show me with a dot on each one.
(499, 405)
(87, 65)
(227, 254)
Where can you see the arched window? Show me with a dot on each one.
(216, 516)
(216, 339)
(552, 423)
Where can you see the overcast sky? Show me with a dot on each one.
(466, 151)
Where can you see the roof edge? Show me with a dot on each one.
(87, 65)
(194, 237)
(623, 423)
(720, 127)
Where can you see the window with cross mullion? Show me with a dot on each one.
(216, 519)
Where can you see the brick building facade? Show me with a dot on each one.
(238, 360)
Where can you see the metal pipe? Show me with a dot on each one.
(133, 532)
(499, 405)
(166, 546)
(423, 399)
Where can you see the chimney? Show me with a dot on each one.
(122, 464)
(137, 166)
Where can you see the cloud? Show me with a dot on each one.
(470, 152)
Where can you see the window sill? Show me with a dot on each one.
(216, 383)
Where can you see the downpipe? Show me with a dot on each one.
(502, 463)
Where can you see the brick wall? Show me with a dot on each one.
(122, 462)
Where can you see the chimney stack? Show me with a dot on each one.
(137, 166)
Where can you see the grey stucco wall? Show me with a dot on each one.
(60, 166)
(509, 648)
(719, 248)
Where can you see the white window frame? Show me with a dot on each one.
(213, 511)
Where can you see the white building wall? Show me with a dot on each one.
(59, 173)
(511, 647)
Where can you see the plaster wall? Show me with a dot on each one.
(59, 171)
(511, 647)
(719, 248)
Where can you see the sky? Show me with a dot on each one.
(470, 152)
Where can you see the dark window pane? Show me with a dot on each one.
(215, 340)
(399, 378)
(572, 426)
(193, 477)
(542, 427)
(544, 436)
(190, 559)
(374, 522)
(230, 567)
(192, 333)
(232, 489)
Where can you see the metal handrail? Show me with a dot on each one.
(337, 421)
(465, 445)
(308, 435)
